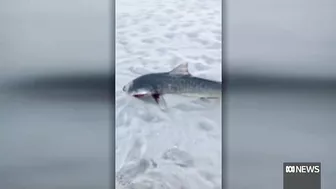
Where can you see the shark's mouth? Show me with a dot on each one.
(139, 95)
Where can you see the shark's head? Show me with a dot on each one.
(138, 89)
(152, 84)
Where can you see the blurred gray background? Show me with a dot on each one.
(54, 94)
(281, 102)
(54, 106)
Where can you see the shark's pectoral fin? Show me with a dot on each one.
(160, 101)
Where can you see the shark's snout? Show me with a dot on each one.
(126, 88)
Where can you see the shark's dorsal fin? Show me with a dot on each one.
(181, 69)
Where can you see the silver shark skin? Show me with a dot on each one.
(178, 81)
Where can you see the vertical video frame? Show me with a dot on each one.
(168, 71)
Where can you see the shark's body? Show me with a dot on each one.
(178, 81)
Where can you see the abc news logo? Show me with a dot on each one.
(305, 169)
